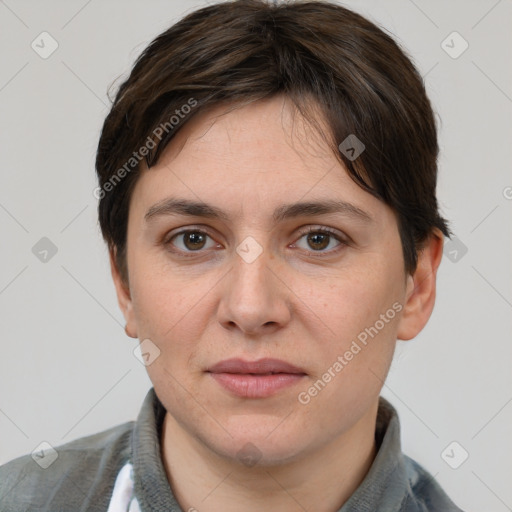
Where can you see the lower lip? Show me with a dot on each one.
(256, 386)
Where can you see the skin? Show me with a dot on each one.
(287, 304)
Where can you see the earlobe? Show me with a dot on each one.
(123, 297)
(421, 288)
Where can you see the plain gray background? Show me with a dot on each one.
(67, 368)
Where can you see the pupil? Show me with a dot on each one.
(314, 239)
(196, 239)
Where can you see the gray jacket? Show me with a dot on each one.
(82, 477)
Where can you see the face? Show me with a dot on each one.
(251, 277)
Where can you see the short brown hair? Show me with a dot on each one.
(318, 54)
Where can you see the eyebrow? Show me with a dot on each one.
(175, 206)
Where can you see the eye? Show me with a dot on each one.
(319, 239)
(192, 240)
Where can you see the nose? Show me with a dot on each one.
(254, 297)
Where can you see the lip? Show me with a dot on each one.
(255, 379)
(261, 366)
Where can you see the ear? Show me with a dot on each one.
(421, 288)
(123, 296)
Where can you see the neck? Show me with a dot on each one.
(322, 480)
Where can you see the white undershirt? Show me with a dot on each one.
(123, 498)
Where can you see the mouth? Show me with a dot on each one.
(255, 379)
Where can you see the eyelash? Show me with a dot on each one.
(302, 232)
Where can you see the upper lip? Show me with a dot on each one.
(261, 366)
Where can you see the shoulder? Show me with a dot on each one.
(425, 495)
(67, 476)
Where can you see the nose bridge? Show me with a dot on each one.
(251, 270)
(252, 298)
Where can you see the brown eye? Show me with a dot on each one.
(318, 240)
(192, 240)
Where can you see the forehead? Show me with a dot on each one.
(249, 134)
(251, 159)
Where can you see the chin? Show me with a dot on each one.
(259, 443)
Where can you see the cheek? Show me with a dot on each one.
(351, 364)
(360, 314)
(169, 309)
(349, 303)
